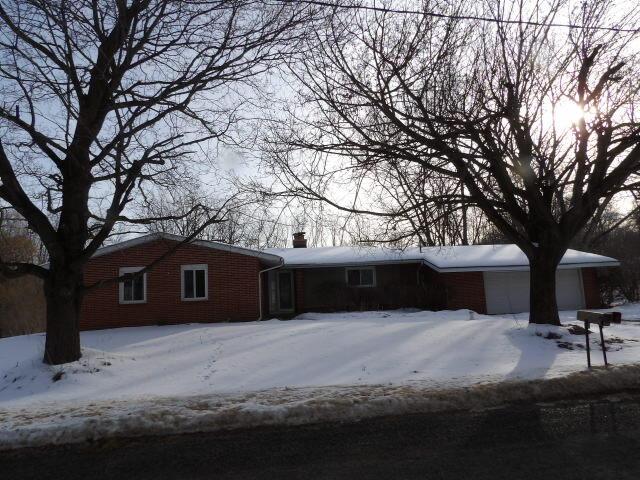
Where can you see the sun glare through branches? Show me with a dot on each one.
(566, 114)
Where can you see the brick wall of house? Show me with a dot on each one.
(326, 289)
(591, 287)
(464, 290)
(232, 284)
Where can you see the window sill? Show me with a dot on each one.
(204, 299)
(132, 302)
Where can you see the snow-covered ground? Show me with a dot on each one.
(441, 348)
(234, 366)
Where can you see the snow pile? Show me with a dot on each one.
(90, 421)
(227, 375)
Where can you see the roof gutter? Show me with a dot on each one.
(433, 266)
(280, 265)
(521, 268)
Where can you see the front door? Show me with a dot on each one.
(281, 294)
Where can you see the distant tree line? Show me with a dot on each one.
(22, 306)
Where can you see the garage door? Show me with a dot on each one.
(508, 292)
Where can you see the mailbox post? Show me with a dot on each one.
(602, 320)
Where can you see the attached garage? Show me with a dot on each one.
(508, 292)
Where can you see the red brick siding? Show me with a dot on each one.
(464, 290)
(232, 283)
(591, 287)
(397, 287)
(326, 290)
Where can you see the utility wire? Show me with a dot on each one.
(459, 17)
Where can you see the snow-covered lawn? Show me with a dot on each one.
(448, 348)
(395, 349)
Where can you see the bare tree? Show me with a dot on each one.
(607, 219)
(17, 243)
(425, 206)
(100, 100)
(251, 220)
(614, 231)
(248, 221)
(537, 122)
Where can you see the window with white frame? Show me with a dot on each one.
(134, 289)
(194, 282)
(361, 277)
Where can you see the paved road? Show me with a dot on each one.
(597, 438)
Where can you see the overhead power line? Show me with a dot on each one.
(459, 17)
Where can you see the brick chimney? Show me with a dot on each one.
(299, 241)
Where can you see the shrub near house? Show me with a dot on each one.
(22, 306)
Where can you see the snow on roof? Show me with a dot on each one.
(442, 259)
(267, 257)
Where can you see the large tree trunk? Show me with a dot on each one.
(542, 285)
(63, 294)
